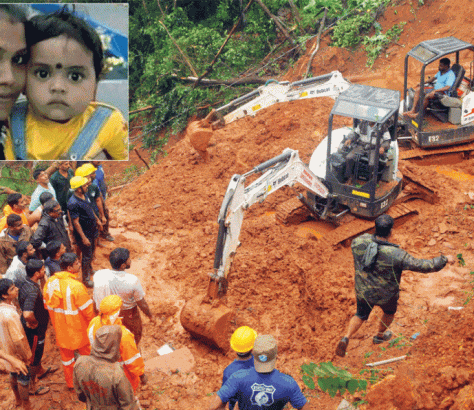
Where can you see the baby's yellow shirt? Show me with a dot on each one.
(49, 140)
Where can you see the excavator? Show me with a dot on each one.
(369, 190)
(326, 85)
(447, 124)
(374, 183)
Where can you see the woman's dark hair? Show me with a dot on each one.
(46, 26)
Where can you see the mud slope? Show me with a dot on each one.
(284, 281)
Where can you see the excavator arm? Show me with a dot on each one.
(326, 85)
(285, 169)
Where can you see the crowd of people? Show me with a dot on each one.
(98, 335)
(45, 270)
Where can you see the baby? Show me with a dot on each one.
(61, 119)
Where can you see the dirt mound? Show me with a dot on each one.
(284, 280)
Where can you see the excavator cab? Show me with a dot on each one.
(449, 120)
(362, 178)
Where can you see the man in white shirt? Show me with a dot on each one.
(116, 281)
(17, 270)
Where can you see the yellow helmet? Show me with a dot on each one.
(77, 182)
(85, 170)
(242, 339)
(110, 304)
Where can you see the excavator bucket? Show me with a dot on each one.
(200, 132)
(199, 135)
(208, 320)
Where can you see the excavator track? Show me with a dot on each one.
(346, 232)
(420, 153)
(416, 185)
(292, 212)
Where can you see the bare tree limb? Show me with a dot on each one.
(321, 26)
(295, 11)
(181, 51)
(208, 69)
(139, 156)
(279, 25)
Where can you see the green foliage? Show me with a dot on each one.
(371, 375)
(461, 260)
(331, 379)
(169, 36)
(399, 342)
(17, 178)
(362, 15)
(377, 43)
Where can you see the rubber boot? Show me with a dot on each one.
(86, 278)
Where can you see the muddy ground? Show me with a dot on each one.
(285, 280)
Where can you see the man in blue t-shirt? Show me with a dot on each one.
(444, 80)
(262, 387)
(241, 342)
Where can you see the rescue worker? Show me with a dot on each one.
(130, 357)
(241, 342)
(378, 270)
(262, 386)
(71, 310)
(85, 225)
(361, 142)
(99, 379)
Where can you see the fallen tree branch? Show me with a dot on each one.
(323, 21)
(139, 156)
(279, 25)
(116, 188)
(181, 51)
(209, 69)
(236, 81)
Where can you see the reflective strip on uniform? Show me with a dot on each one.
(91, 334)
(85, 305)
(69, 362)
(64, 312)
(68, 299)
(131, 360)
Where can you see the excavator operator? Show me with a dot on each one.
(360, 142)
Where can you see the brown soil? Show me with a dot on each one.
(284, 281)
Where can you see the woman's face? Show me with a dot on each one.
(13, 59)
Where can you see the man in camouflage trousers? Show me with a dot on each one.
(378, 269)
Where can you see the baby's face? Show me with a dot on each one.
(61, 80)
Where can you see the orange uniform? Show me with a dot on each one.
(130, 357)
(8, 211)
(70, 309)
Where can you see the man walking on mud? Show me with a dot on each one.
(378, 270)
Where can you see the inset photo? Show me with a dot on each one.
(64, 81)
